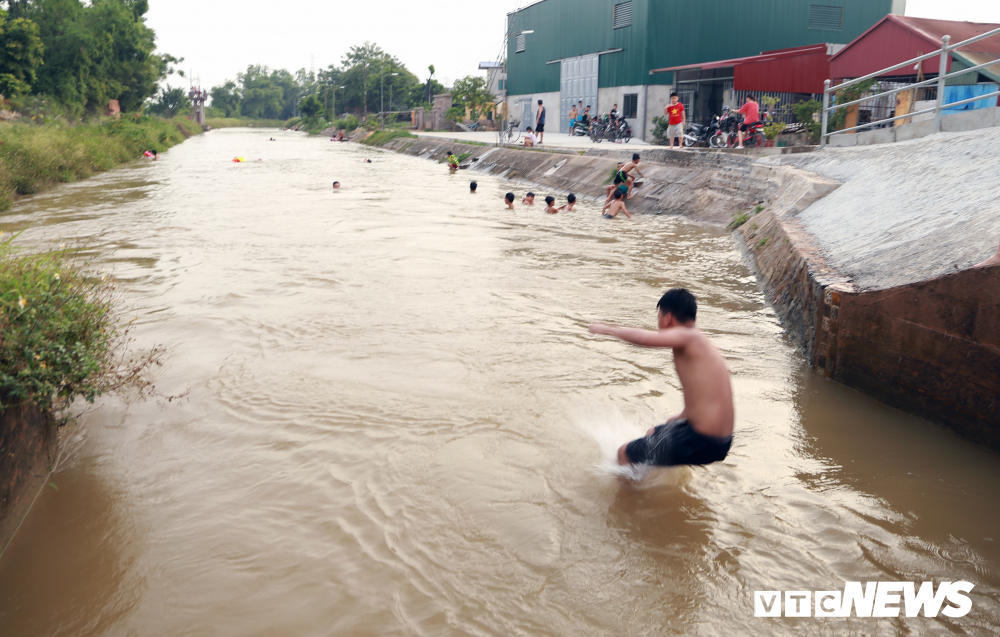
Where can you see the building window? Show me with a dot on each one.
(500, 86)
(825, 17)
(623, 15)
(520, 43)
(630, 108)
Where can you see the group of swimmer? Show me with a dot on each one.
(616, 194)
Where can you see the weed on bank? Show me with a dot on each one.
(34, 157)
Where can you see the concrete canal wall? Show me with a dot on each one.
(864, 252)
(28, 451)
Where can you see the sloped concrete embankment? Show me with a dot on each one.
(702, 186)
(28, 449)
(870, 273)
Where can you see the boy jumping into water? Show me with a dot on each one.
(703, 432)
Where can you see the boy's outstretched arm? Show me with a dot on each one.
(662, 338)
(625, 210)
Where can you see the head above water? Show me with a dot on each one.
(509, 197)
(571, 198)
(550, 200)
(677, 306)
(473, 186)
(530, 195)
(336, 185)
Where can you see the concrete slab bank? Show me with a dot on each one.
(28, 451)
(873, 277)
(707, 189)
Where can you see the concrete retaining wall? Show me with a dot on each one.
(929, 348)
(28, 447)
(953, 122)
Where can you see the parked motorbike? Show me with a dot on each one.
(703, 133)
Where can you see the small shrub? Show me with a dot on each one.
(62, 337)
(384, 137)
(739, 220)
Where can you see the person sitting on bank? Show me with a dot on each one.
(529, 199)
(529, 138)
(994, 260)
(703, 432)
(452, 161)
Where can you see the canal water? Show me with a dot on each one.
(397, 423)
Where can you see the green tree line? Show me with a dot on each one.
(79, 55)
(366, 80)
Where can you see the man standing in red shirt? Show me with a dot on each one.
(675, 121)
(751, 115)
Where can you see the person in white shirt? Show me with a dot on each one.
(529, 138)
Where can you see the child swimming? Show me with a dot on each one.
(529, 199)
(472, 187)
(550, 205)
(570, 202)
(509, 198)
(617, 205)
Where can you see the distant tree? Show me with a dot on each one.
(310, 106)
(170, 102)
(472, 92)
(20, 55)
(16, 8)
(227, 99)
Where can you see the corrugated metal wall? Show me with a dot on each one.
(798, 74)
(884, 46)
(666, 33)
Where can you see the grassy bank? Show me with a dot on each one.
(33, 158)
(61, 337)
(384, 137)
(240, 122)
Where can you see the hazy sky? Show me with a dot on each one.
(218, 38)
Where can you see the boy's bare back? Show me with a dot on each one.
(702, 432)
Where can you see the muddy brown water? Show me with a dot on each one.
(398, 424)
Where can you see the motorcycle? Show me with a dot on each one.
(703, 133)
(753, 138)
(581, 128)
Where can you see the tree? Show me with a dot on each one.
(473, 93)
(16, 8)
(96, 52)
(20, 55)
(227, 99)
(310, 106)
(170, 102)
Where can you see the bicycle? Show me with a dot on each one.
(511, 131)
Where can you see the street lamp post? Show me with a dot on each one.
(390, 90)
(335, 100)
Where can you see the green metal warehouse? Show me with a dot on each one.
(602, 51)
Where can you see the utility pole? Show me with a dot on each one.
(365, 83)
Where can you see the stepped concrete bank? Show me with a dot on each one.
(864, 252)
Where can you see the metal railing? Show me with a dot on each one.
(940, 80)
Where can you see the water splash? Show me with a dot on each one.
(611, 428)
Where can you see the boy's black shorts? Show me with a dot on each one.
(676, 443)
(540, 129)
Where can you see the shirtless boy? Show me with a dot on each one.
(529, 199)
(609, 189)
(703, 432)
(616, 205)
(509, 199)
(570, 202)
(626, 177)
(550, 205)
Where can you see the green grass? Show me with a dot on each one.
(742, 217)
(244, 122)
(384, 137)
(33, 157)
(62, 336)
(463, 156)
(762, 242)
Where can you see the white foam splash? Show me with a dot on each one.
(610, 429)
